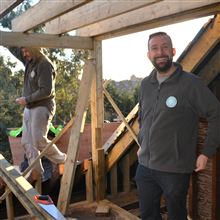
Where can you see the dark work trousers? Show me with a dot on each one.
(151, 184)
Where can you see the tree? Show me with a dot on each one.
(124, 94)
(10, 89)
(67, 84)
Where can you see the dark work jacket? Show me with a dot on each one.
(39, 81)
(169, 118)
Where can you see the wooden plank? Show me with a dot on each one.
(133, 154)
(22, 189)
(7, 5)
(122, 213)
(125, 199)
(73, 147)
(125, 166)
(211, 69)
(43, 12)
(89, 182)
(108, 96)
(120, 129)
(170, 13)
(93, 12)
(114, 180)
(102, 210)
(10, 207)
(121, 147)
(44, 40)
(97, 110)
(100, 175)
(202, 46)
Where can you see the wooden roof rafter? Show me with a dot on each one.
(44, 11)
(44, 40)
(150, 18)
(93, 12)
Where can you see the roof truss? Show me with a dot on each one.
(107, 18)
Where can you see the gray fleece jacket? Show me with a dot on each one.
(39, 81)
(169, 118)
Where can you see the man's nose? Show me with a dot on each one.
(160, 50)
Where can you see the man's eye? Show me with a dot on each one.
(154, 48)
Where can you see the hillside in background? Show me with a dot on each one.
(128, 85)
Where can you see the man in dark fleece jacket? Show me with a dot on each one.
(171, 103)
(38, 99)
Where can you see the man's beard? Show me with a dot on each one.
(165, 67)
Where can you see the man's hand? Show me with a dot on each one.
(201, 162)
(21, 101)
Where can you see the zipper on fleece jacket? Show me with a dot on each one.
(153, 117)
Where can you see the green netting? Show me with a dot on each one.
(18, 131)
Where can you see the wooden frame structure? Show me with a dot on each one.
(94, 21)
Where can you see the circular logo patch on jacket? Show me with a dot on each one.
(32, 73)
(171, 102)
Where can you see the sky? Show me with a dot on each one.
(127, 55)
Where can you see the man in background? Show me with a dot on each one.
(38, 100)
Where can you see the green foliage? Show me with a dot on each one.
(67, 84)
(10, 89)
(124, 94)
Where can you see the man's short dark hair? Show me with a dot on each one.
(159, 34)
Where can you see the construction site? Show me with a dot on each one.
(101, 185)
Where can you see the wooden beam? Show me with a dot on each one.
(7, 5)
(22, 189)
(44, 40)
(102, 210)
(170, 12)
(97, 113)
(114, 180)
(9, 206)
(93, 12)
(89, 182)
(125, 167)
(121, 213)
(100, 175)
(73, 147)
(211, 69)
(108, 96)
(43, 12)
(125, 199)
(112, 139)
(202, 45)
(121, 147)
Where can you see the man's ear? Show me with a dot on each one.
(148, 55)
(174, 51)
